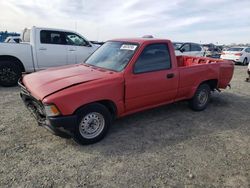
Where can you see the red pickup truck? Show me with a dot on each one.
(122, 77)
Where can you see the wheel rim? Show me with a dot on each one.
(8, 75)
(92, 125)
(203, 97)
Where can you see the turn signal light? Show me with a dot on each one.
(51, 110)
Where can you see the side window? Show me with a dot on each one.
(186, 48)
(195, 47)
(248, 50)
(74, 39)
(153, 58)
(17, 40)
(52, 37)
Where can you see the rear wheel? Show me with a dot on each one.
(201, 98)
(9, 73)
(245, 62)
(93, 123)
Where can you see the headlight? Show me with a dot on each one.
(51, 110)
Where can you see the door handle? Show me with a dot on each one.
(42, 48)
(170, 75)
(72, 50)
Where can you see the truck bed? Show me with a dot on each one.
(199, 69)
(185, 61)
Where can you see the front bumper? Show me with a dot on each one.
(60, 125)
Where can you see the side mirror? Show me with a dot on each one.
(182, 50)
(88, 44)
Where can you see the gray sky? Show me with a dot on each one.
(222, 21)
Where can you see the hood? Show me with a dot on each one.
(44, 83)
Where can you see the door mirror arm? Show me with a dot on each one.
(182, 50)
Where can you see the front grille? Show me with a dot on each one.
(34, 106)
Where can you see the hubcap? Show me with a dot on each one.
(203, 97)
(92, 125)
(8, 75)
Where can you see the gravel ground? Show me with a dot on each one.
(170, 146)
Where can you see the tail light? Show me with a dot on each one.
(223, 53)
(238, 54)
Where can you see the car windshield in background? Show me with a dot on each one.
(113, 55)
(177, 45)
(235, 49)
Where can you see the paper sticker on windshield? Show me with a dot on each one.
(128, 47)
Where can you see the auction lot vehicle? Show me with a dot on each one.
(14, 39)
(212, 50)
(237, 54)
(122, 77)
(41, 48)
(188, 48)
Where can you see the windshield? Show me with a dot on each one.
(235, 49)
(113, 55)
(177, 45)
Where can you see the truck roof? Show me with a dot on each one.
(47, 28)
(140, 40)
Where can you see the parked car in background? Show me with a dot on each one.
(42, 48)
(240, 55)
(187, 48)
(14, 39)
(212, 50)
(122, 77)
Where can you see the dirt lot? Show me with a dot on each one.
(170, 146)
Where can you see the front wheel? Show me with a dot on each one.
(93, 123)
(201, 98)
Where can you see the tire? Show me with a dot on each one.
(244, 62)
(93, 123)
(9, 73)
(201, 98)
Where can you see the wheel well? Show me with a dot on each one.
(110, 105)
(212, 83)
(14, 60)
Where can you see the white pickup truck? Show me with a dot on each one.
(41, 48)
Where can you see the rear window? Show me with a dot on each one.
(235, 49)
(195, 47)
(52, 37)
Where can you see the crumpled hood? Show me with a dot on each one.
(44, 83)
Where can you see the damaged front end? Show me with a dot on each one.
(37, 110)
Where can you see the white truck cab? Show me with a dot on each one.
(42, 48)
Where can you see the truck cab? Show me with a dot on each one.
(57, 47)
(42, 48)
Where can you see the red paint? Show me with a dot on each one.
(74, 86)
